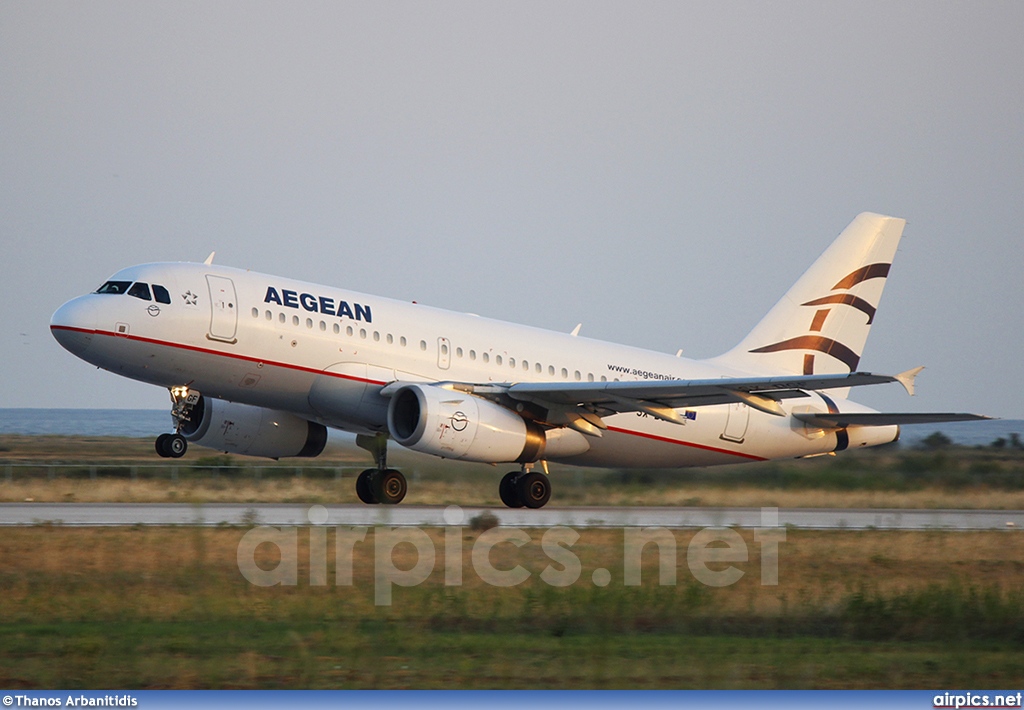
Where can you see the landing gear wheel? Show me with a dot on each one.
(389, 486)
(508, 491)
(534, 489)
(175, 445)
(161, 446)
(364, 487)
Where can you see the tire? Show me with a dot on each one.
(364, 489)
(534, 489)
(161, 446)
(176, 446)
(390, 487)
(508, 491)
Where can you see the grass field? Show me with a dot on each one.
(168, 608)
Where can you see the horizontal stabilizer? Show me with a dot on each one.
(839, 420)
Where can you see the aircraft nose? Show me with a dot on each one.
(74, 324)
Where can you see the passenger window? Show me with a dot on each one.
(160, 294)
(486, 357)
(551, 370)
(472, 354)
(337, 328)
(402, 341)
(497, 359)
(255, 312)
(114, 287)
(281, 317)
(140, 290)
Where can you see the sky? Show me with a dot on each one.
(660, 171)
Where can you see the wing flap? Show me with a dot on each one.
(839, 420)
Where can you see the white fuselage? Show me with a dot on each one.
(324, 354)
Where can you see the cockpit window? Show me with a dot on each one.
(140, 290)
(114, 287)
(160, 294)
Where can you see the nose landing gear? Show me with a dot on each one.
(171, 446)
(174, 445)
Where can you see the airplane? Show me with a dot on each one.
(262, 365)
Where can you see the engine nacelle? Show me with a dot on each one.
(253, 431)
(456, 425)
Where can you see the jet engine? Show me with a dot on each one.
(253, 431)
(457, 425)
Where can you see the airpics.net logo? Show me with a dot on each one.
(712, 554)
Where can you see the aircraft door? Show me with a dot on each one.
(223, 309)
(736, 420)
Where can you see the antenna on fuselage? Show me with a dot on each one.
(209, 259)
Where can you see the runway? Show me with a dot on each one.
(243, 514)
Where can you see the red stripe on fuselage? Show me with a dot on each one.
(690, 444)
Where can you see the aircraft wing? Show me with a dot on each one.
(581, 405)
(660, 398)
(681, 393)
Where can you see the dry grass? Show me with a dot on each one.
(142, 477)
(482, 491)
(160, 573)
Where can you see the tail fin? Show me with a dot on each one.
(821, 324)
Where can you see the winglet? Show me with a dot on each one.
(907, 379)
(576, 330)
(209, 259)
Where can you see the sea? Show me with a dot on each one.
(145, 423)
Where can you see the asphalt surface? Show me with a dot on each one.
(126, 514)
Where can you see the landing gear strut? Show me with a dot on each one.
(381, 484)
(524, 488)
(174, 445)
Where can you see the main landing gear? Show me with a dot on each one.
(381, 484)
(174, 445)
(526, 488)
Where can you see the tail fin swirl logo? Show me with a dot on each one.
(825, 345)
